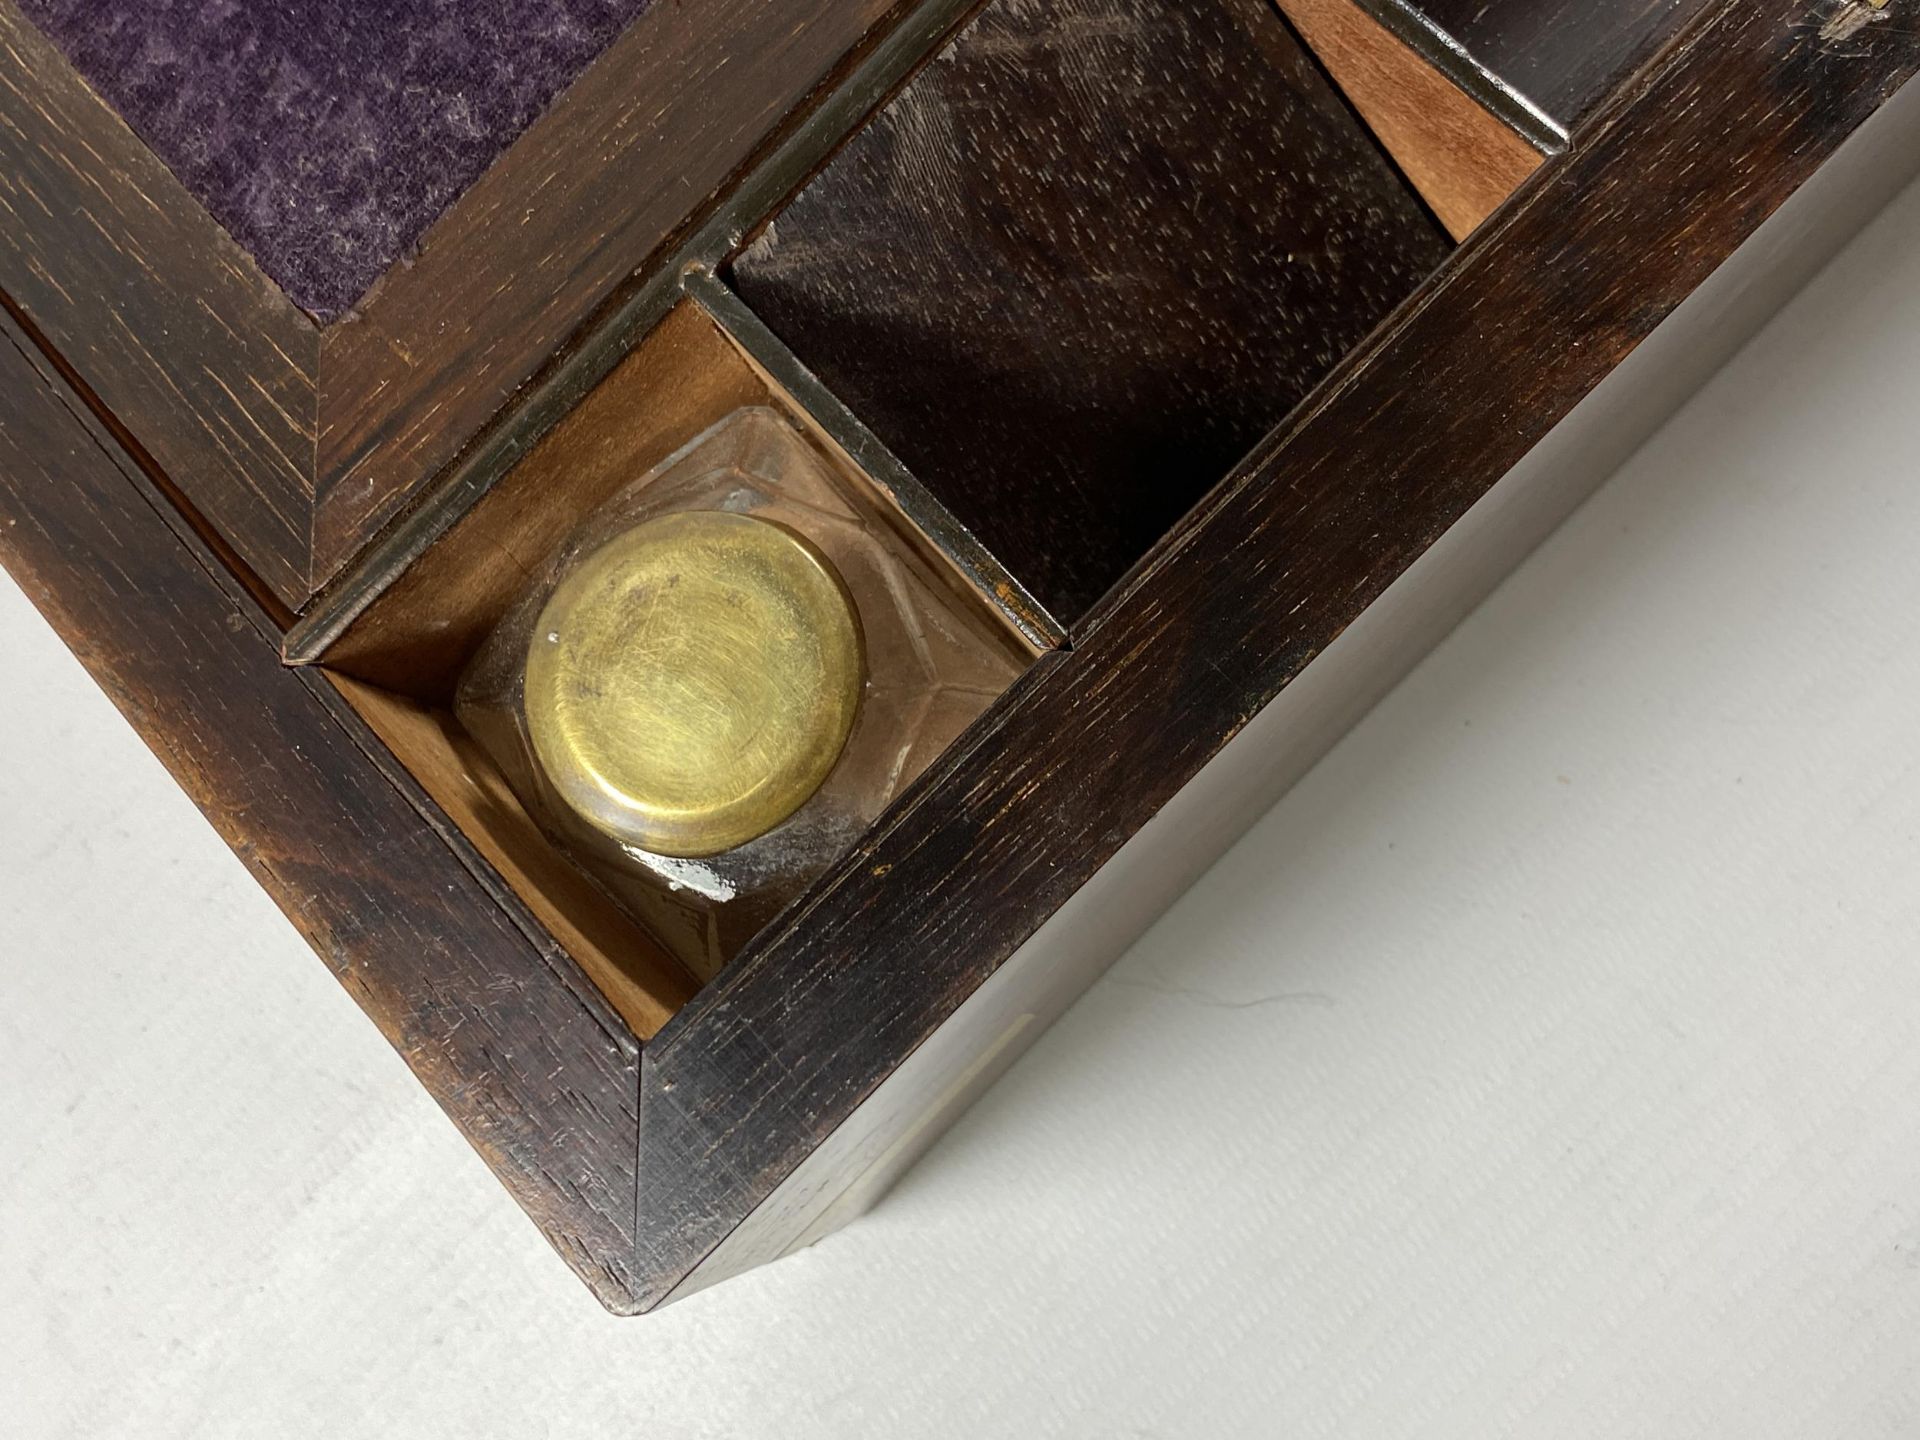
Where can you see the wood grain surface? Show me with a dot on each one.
(1533, 312)
(641, 142)
(1083, 261)
(1462, 159)
(513, 1041)
(171, 323)
(299, 442)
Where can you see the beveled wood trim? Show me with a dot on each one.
(603, 344)
(1462, 158)
(1527, 318)
(171, 323)
(298, 442)
(496, 1020)
(675, 107)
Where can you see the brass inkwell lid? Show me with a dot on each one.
(692, 683)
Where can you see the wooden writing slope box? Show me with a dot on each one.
(1226, 350)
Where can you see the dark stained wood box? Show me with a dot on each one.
(1233, 348)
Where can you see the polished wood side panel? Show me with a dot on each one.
(172, 325)
(858, 1161)
(1533, 313)
(1462, 159)
(639, 143)
(1083, 261)
(512, 1040)
(1563, 55)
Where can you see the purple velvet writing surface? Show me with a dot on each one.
(327, 135)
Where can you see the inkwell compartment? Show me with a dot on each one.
(920, 414)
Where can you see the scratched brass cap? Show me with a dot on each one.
(692, 683)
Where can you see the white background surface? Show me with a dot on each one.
(1545, 1065)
